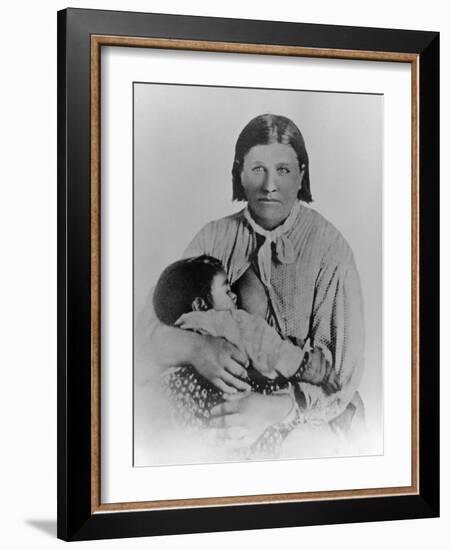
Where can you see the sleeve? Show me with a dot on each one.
(212, 322)
(337, 330)
(270, 354)
(203, 242)
(267, 351)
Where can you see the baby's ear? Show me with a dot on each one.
(199, 304)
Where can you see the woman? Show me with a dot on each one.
(291, 267)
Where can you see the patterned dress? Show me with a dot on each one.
(313, 293)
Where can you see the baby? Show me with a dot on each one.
(194, 294)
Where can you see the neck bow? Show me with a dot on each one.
(283, 248)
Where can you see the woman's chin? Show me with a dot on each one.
(269, 214)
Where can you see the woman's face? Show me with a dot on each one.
(271, 179)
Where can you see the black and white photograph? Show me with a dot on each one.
(257, 274)
(226, 250)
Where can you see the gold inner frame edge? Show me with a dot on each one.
(97, 41)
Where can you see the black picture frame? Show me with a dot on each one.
(77, 520)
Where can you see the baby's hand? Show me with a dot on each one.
(221, 363)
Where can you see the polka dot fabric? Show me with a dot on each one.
(192, 398)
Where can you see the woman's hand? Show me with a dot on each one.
(244, 418)
(320, 372)
(221, 363)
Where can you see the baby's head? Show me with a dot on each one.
(194, 284)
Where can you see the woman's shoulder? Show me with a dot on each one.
(324, 232)
(220, 227)
(215, 235)
(232, 220)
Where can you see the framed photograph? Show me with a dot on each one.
(248, 236)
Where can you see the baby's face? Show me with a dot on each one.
(222, 297)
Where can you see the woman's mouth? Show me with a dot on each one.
(269, 200)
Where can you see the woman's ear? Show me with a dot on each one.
(199, 304)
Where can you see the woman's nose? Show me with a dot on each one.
(269, 183)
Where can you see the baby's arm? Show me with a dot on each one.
(269, 353)
(226, 373)
(273, 356)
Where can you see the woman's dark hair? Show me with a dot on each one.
(264, 130)
(181, 283)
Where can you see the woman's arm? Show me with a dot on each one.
(275, 357)
(266, 350)
(337, 330)
(214, 358)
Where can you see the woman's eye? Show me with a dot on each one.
(258, 169)
(282, 170)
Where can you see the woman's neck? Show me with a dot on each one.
(264, 224)
(269, 225)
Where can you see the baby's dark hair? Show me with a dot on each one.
(181, 283)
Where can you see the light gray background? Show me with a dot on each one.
(184, 139)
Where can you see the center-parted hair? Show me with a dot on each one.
(181, 283)
(264, 130)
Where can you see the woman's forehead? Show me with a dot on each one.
(272, 152)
